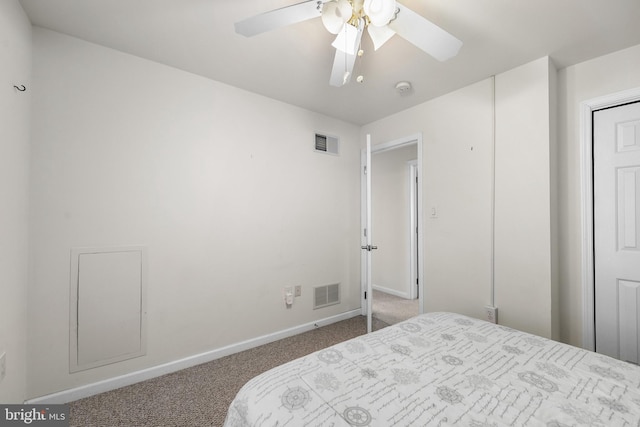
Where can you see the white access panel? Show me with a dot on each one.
(108, 310)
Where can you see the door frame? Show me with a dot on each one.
(379, 148)
(586, 178)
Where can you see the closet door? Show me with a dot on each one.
(616, 160)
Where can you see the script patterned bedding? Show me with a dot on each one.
(443, 369)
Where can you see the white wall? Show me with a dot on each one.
(457, 181)
(449, 242)
(525, 286)
(126, 151)
(591, 79)
(15, 57)
(221, 185)
(391, 206)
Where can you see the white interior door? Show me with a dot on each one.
(368, 246)
(366, 220)
(616, 177)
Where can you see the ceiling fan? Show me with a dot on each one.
(348, 19)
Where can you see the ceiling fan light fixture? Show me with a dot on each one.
(379, 35)
(347, 40)
(335, 14)
(380, 12)
(347, 19)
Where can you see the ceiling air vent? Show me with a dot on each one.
(327, 144)
(327, 295)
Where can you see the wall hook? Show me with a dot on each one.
(21, 88)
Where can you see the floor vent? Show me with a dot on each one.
(326, 144)
(327, 295)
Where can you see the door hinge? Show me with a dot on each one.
(365, 294)
(365, 170)
(365, 232)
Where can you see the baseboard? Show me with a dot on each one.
(88, 390)
(390, 291)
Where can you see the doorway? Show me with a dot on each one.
(587, 110)
(396, 230)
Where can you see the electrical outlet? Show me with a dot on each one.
(3, 366)
(287, 293)
(298, 292)
(491, 313)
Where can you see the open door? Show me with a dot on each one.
(368, 246)
(366, 238)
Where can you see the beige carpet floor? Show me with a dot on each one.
(200, 396)
(391, 309)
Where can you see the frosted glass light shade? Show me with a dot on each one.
(380, 12)
(347, 40)
(379, 35)
(335, 14)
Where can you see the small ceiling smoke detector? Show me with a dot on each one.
(404, 88)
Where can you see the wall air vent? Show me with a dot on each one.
(327, 144)
(324, 296)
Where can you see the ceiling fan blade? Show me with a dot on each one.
(424, 34)
(342, 68)
(279, 18)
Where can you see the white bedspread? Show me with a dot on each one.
(443, 369)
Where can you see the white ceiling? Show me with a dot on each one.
(293, 64)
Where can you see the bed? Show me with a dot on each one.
(441, 369)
